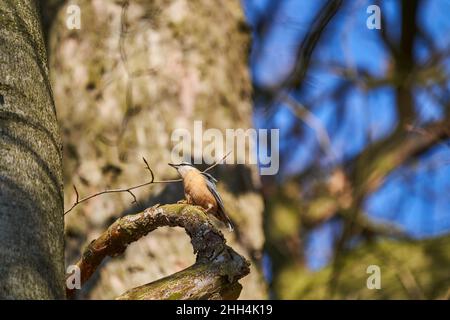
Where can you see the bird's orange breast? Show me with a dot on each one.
(197, 191)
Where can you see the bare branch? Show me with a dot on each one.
(312, 121)
(129, 190)
(121, 190)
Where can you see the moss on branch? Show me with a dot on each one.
(214, 275)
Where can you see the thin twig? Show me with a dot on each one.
(149, 169)
(312, 121)
(130, 190)
(76, 192)
(217, 162)
(121, 190)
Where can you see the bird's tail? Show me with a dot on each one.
(230, 225)
(223, 217)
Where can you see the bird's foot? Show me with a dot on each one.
(207, 210)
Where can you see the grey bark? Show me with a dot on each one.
(31, 187)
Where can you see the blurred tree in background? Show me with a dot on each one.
(133, 73)
(365, 118)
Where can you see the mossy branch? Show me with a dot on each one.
(213, 276)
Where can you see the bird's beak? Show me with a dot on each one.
(173, 165)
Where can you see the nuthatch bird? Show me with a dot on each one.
(200, 189)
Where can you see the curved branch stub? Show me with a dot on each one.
(213, 276)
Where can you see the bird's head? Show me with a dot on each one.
(183, 168)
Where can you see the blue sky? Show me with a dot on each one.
(415, 197)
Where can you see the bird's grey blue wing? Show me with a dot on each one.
(209, 177)
(221, 209)
(212, 188)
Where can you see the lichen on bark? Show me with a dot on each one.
(31, 186)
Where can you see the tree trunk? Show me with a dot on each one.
(31, 187)
(123, 83)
